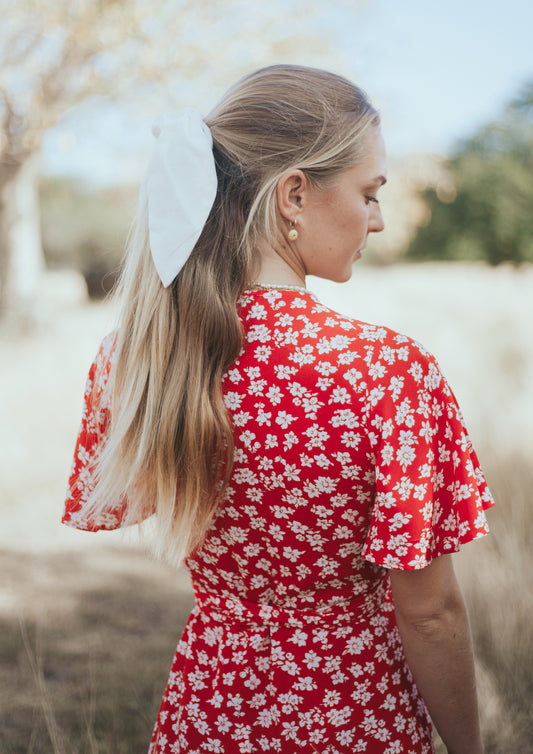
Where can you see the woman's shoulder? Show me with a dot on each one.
(107, 347)
(106, 352)
(100, 369)
(383, 340)
(300, 315)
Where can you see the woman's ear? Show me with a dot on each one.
(291, 193)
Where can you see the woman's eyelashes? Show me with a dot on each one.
(369, 199)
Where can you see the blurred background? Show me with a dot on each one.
(89, 624)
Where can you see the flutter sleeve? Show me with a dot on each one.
(91, 437)
(430, 491)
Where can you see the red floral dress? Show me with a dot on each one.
(351, 457)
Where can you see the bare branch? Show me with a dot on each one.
(56, 55)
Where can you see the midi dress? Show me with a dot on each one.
(351, 458)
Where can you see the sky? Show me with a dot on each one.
(436, 70)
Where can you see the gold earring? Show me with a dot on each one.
(293, 233)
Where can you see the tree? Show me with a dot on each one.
(56, 55)
(482, 211)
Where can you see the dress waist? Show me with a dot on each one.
(233, 611)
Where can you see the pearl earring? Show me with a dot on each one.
(293, 233)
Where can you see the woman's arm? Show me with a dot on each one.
(433, 624)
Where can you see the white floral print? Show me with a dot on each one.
(351, 457)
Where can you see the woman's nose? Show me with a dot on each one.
(376, 223)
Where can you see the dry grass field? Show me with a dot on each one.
(89, 623)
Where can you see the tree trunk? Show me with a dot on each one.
(21, 253)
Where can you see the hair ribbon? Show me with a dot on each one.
(180, 186)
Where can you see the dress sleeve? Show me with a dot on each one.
(430, 492)
(91, 437)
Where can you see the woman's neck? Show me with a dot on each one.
(274, 270)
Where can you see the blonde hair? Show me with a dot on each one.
(170, 444)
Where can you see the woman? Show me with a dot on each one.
(313, 470)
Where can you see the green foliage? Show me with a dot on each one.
(86, 228)
(490, 218)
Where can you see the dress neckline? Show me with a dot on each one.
(275, 287)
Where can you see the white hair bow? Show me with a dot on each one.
(181, 186)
